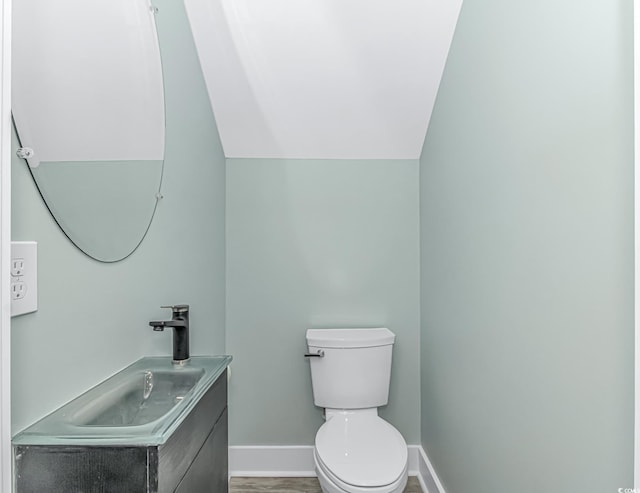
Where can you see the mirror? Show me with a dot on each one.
(88, 109)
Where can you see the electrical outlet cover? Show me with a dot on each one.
(24, 277)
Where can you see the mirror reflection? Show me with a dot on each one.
(90, 116)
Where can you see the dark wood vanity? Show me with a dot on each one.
(193, 459)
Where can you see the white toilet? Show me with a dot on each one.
(356, 451)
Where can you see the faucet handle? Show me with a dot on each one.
(177, 308)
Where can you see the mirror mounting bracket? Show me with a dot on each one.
(25, 152)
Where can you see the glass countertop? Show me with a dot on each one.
(140, 405)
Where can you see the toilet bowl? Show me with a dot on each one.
(356, 451)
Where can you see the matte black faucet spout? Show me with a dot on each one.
(180, 324)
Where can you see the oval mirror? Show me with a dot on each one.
(88, 109)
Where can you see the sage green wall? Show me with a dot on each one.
(317, 244)
(527, 251)
(93, 318)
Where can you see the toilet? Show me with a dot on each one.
(356, 451)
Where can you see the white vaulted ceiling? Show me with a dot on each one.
(332, 79)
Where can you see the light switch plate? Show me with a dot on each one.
(24, 277)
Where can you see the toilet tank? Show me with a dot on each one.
(355, 369)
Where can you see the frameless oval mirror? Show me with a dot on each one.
(88, 109)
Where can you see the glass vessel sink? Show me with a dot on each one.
(142, 405)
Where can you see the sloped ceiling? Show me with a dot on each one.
(330, 79)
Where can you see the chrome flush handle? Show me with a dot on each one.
(319, 354)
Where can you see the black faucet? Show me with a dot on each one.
(180, 324)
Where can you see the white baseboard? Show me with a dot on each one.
(297, 461)
(429, 480)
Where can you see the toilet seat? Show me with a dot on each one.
(362, 451)
(331, 484)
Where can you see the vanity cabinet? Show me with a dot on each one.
(193, 459)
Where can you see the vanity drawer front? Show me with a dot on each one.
(65, 469)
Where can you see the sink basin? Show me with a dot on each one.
(141, 405)
(142, 397)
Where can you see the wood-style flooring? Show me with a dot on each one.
(293, 485)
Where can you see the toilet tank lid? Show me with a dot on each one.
(350, 338)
